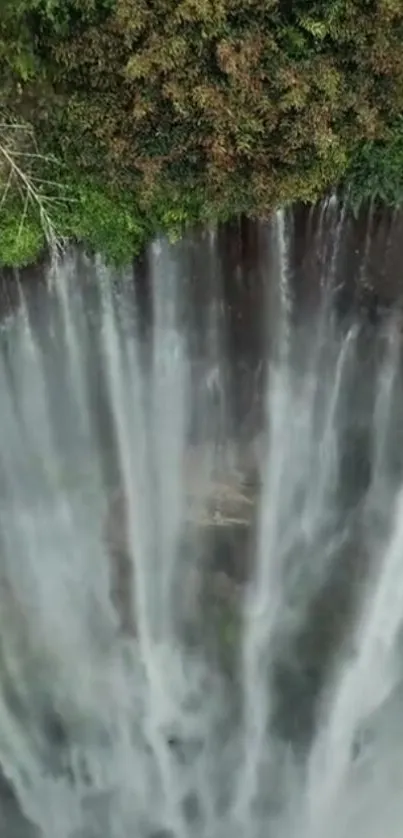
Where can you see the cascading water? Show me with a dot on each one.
(196, 641)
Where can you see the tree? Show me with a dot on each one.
(207, 108)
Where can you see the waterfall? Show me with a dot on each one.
(200, 630)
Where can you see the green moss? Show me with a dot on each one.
(105, 222)
(20, 243)
(111, 225)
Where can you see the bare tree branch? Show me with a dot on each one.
(17, 162)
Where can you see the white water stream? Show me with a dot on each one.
(126, 724)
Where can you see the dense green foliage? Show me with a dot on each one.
(375, 170)
(166, 112)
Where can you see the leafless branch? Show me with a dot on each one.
(16, 171)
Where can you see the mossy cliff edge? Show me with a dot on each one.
(122, 118)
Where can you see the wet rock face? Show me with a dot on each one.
(121, 573)
(163, 832)
(116, 522)
(120, 565)
(220, 522)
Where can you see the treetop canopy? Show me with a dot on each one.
(181, 110)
